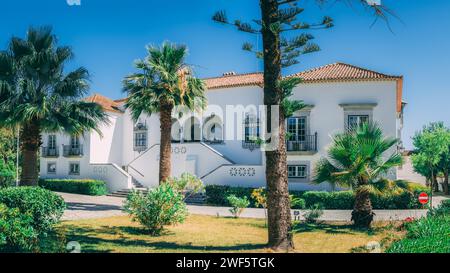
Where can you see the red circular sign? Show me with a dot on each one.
(423, 198)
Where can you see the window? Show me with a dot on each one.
(357, 120)
(51, 168)
(74, 168)
(251, 129)
(297, 171)
(140, 139)
(52, 142)
(296, 128)
(74, 142)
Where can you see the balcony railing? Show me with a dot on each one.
(49, 152)
(69, 150)
(308, 144)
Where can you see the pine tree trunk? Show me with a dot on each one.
(362, 214)
(30, 143)
(165, 152)
(278, 202)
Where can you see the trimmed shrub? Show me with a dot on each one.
(344, 200)
(160, 207)
(313, 198)
(43, 206)
(426, 235)
(16, 231)
(216, 195)
(297, 203)
(79, 186)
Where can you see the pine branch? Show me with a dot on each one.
(293, 2)
(327, 22)
(249, 47)
(288, 15)
(221, 17)
(245, 27)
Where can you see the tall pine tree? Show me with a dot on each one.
(279, 17)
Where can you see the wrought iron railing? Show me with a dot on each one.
(49, 152)
(69, 150)
(308, 143)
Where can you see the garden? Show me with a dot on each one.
(158, 220)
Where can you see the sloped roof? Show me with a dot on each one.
(234, 80)
(107, 103)
(341, 72)
(330, 72)
(336, 72)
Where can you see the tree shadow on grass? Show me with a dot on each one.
(91, 207)
(92, 242)
(331, 228)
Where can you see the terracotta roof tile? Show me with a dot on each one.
(336, 72)
(341, 72)
(107, 103)
(330, 72)
(234, 80)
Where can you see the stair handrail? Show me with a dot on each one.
(129, 166)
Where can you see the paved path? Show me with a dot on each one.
(91, 207)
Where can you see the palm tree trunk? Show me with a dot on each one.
(278, 202)
(30, 143)
(362, 214)
(165, 152)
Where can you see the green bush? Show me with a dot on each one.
(216, 195)
(344, 200)
(442, 209)
(237, 204)
(426, 235)
(313, 214)
(43, 206)
(16, 231)
(79, 186)
(160, 207)
(298, 203)
(7, 174)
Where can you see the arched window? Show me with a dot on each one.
(213, 129)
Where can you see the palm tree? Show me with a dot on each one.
(37, 96)
(164, 81)
(357, 159)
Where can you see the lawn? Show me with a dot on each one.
(214, 234)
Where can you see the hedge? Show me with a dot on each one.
(79, 186)
(217, 194)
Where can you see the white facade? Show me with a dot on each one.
(214, 156)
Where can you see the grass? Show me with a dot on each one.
(214, 234)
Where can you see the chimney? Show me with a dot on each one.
(230, 73)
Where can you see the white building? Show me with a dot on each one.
(338, 95)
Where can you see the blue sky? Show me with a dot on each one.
(108, 35)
